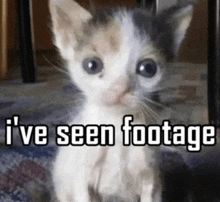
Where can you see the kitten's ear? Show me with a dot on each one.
(68, 21)
(175, 21)
(182, 19)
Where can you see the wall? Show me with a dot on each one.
(194, 47)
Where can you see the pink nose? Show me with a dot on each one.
(117, 93)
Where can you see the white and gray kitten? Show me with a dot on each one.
(118, 60)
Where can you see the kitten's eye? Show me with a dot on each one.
(147, 68)
(92, 65)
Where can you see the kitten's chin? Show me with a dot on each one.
(124, 102)
(121, 108)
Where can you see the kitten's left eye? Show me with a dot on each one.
(92, 65)
(147, 68)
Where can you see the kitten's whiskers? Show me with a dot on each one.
(158, 104)
(148, 111)
(58, 68)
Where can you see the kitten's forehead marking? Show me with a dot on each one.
(107, 39)
(119, 34)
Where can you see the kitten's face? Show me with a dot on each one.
(114, 68)
(117, 59)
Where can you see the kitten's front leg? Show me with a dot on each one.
(157, 196)
(81, 192)
(147, 191)
(69, 176)
(151, 191)
(76, 190)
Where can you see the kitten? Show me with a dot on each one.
(118, 60)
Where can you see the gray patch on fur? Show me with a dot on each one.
(160, 28)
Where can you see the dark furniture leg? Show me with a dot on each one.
(27, 56)
(147, 4)
(213, 63)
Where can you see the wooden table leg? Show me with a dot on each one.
(3, 38)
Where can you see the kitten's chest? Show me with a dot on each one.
(112, 168)
(93, 115)
(119, 170)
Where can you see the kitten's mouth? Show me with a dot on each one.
(120, 102)
(123, 100)
(116, 104)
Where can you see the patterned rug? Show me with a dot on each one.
(20, 166)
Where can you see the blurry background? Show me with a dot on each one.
(194, 48)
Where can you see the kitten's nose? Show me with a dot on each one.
(122, 85)
(117, 93)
